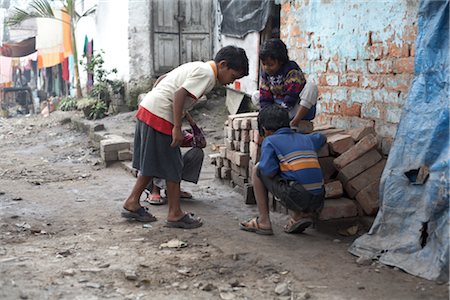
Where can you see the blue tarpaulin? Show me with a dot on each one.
(411, 229)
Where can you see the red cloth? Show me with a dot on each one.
(157, 123)
(65, 69)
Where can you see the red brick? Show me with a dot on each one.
(364, 179)
(376, 51)
(380, 66)
(396, 50)
(358, 166)
(330, 132)
(358, 133)
(327, 167)
(368, 198)
(412, 50)
(338, 208)
(399, 82)
(323, 151)
(372, 81)
(354, 110)
(404, 65)
(364, 145)
(340, 143)
(350, 80)
(333, 189)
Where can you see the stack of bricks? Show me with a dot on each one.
(350, 162)
(114, 148)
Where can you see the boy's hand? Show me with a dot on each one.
(177, 137)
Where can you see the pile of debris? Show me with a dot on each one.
(350, 161)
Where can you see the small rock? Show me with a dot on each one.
(131, 275)
(91, 270)
(282, 289)
(208, 287)
(377, 270)
(104, 266)
(183, 286)
(23, 296)
(2, 193)
(93, 285)
(147, 226)
(361, 288)
(83, 280)
(364, 261)
(184, 271)
(174, 243)
(69, 272)
(175, 284)
(17, 199)
(303, 296)
(336, 241)
(235, 257)
(227, 296)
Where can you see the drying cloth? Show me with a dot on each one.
(5, 69)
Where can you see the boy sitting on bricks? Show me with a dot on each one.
(289, 169)
(158, 133)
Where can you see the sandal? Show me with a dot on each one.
(141, 215)
(188, 221)
(298, 226)
(252, 225)
(155, 199)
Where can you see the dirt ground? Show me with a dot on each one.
(62, 236)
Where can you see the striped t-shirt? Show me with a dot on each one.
(293, 156)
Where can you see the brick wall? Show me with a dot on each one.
(361, 54)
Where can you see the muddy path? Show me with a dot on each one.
(62, 237)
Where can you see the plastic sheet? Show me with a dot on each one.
(411, 229)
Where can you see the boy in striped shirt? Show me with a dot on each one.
(289, 169)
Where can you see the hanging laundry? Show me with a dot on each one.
(5, 70)
(67, 34)
(65, 69)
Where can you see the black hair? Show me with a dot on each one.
(235, 57)
(274, 49)
(272, 117)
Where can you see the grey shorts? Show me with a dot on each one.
(153, 155)
(292, 194)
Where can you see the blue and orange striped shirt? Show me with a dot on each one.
(293, 156)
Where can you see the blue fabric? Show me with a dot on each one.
(411, 229)
(311, 114)
(299, 151)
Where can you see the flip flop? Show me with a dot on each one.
(298, 226)
(141, 215)
(155, 199)
(252, 225)
(188, 221)
(185, 195)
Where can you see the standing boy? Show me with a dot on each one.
(289, 169)
(158, 129)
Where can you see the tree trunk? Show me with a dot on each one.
(75, 58)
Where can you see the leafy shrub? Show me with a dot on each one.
(68, 104)
(98, 111)
(86, 103)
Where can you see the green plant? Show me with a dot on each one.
(95, 66)
(100, 91)
(117, 86)
(85, 103)
(98, 111)
(68, 104)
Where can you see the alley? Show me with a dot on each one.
(62, 236)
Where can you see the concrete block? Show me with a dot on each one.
(339, 143)
(238, 179)
(249, 195)
(245, 124)
(365, 179)
(124, 155)
(229, 132)
(241, 159)
(333, 189)
(229, 144)
(368, 198)
(114, 143)
(328, 169)
(236, 135)
(237, 123)
(254, 123)
(358, 133)
(243, 171)
(225, 173)
(237, 145)
(223, 151)
(364, 145)
(338, 208)
(226, 163)
(358, 166)
(109, 156)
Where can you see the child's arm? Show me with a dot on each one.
(178, 104)
(293, 85)
(198, 139)
(301, 112)
(265, 95)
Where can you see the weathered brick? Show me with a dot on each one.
(359, 165)
(376, 51)
(360, 95)
(304, 127)
(319, 66)
(364, 179)
(236, 123)
(364, 145)
(244, 147)
(330, 132)
(245, 135)
(237, 145)
(229, 144)
(223, 151)
(230, 154)
(404, 65)
(340, 94)
(332, 79)
(340, 143)
(398, 82)
(358, 133)
(357, 66)
(254, 123)
(386, 144)
(328, 169)
(255, 152)
(353, 110)
(238, 179)
(393, 113)
(385, 129)
(109, 155)
(213, 158)
(236, 135)
(338, 208)
(398, 50)
(114, 143)
(380, 66)
(244, 115)
(243, 171)
(219, 162)
(225, 173)
(249, 195)
(251, 164)
(372, 81)
(324, 151)
(368, 198)
(349, 79)
(333, 189)
(241, 159)
(229, 132)
(356, 122)
(227, 163)
(124, 155)
(245, 124)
